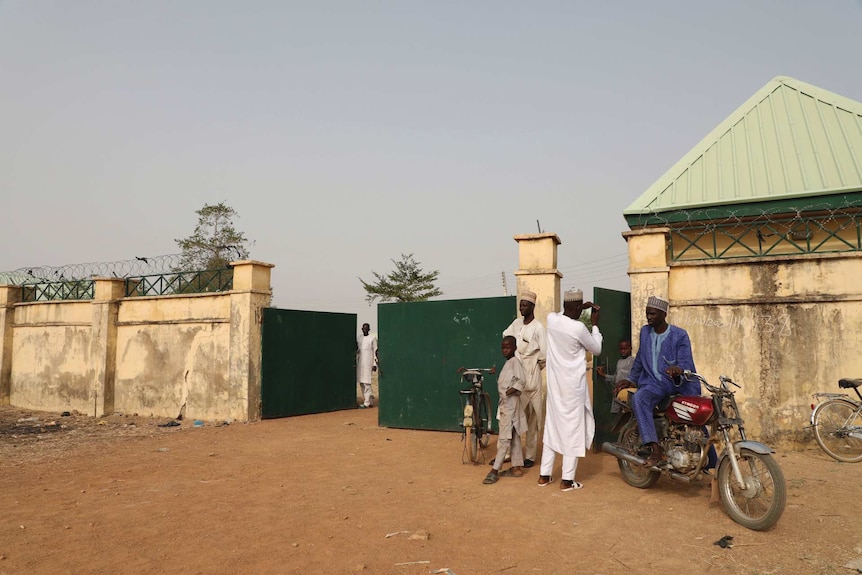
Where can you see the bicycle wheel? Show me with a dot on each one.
(485, 419)
(759, 502)
(838, 430)
(470, 443)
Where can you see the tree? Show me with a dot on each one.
(406, 283)
(215, 242)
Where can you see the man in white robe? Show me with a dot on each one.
(569, 422)
(367, 364)
(529, 334)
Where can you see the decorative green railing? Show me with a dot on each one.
(64, 290)
(207, 281)
(829, 232)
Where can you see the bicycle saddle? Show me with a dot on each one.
(848, 383)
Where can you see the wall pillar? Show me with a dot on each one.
(537, 271)
(648, 270)
(9, 295)
(251, 293)
(103, 347)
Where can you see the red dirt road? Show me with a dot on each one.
(334, 493)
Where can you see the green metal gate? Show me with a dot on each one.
(307, 363)
(422, 344)
(615, 324)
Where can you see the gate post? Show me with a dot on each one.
(103, 347)
(648, 270)
(251, 293)
(9, 295)
(537, 272)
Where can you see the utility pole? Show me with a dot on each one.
(505, 287)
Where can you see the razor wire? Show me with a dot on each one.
(122, 269)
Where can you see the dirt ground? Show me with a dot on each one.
(334, 493)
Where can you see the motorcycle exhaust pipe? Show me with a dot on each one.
(620, 453)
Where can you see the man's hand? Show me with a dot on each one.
(541, 363)
(594, 315)
(601, 370)
(512, 391)
(674, 371)
(493, 370)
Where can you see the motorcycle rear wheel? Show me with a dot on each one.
(760, 503)
(635, 475)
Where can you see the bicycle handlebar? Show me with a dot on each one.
(477, 370)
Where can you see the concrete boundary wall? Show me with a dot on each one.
(196, 354)
(783, 328)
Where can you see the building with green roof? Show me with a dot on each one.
(755, 237)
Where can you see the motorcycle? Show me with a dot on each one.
(750, 483)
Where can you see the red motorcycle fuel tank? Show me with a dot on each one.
(691, 410)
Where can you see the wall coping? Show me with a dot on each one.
(541, 236)
(645, 232)
(252, 262)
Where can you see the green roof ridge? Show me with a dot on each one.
(789, 139)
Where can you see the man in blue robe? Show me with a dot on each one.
(664, 353)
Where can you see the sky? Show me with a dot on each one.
(345, 133)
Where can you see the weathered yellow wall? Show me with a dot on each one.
(782, 328)
(196, 354)
(174, 352)
(51, 351)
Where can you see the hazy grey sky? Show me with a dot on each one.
(345, 133)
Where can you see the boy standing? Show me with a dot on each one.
(510, 384)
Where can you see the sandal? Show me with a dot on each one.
(655, 457)
(490, 479)
(511, 473)
(545, 480)
(566, 485)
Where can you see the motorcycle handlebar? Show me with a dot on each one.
(722, 378)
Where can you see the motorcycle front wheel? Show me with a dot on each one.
(635, 475)
(759, 502)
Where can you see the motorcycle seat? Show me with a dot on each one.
(849, 383)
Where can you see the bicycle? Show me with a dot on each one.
(476, 408)
(837, 422)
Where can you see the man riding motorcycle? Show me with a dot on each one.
(663, 354)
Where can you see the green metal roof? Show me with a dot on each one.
(790, 139)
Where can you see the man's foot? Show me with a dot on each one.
(655, 457)
(512, 472)
(545, 480)
(568, 485)
(528, 463)
(491, 478)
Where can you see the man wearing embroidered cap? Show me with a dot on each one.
(529, 333)
(664, 353)
(569, 422)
